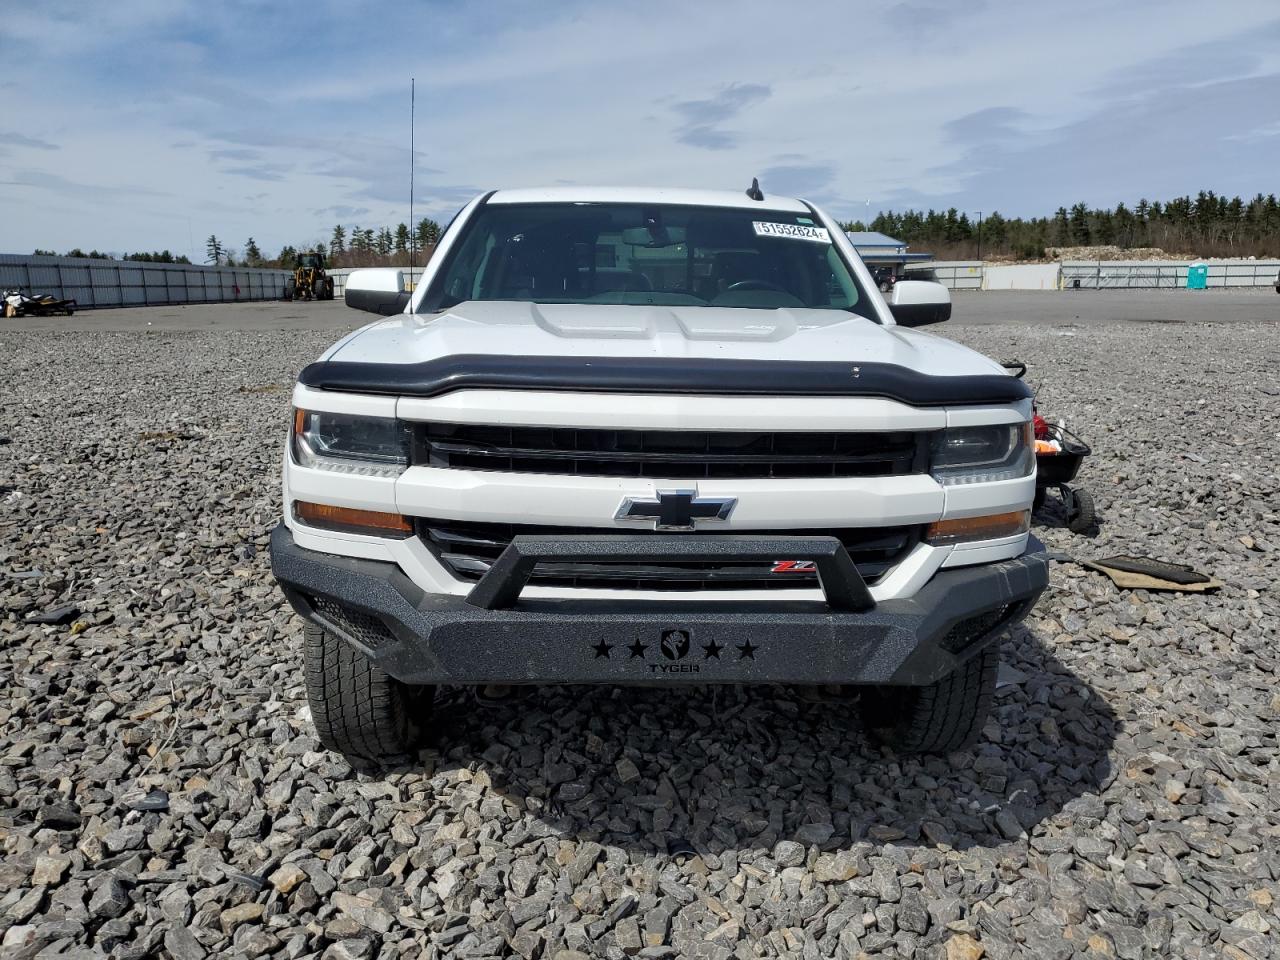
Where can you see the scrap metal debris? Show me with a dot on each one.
(1142, 573)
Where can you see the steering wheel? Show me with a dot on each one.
(755, 285)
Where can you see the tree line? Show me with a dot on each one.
(347, 247)
(1207, 225)
(155, 256)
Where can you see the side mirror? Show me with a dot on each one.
(379, 290)
(917, 302)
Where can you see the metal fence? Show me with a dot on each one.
(117, 283)
(1108, 274)
(1111, 274)
(953, 274)
(123, 283)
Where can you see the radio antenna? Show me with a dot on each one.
(413, 232)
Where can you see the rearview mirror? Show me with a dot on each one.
(917, 302)
(654, 236)
(379, 290)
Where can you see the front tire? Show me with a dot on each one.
(939, 718)
(357, 709)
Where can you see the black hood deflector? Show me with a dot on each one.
(669, 375)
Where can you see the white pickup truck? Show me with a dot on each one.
(631, 436)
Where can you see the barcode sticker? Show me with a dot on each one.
(791, 231)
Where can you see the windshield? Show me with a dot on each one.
(641, 254)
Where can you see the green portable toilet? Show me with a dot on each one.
(1197, 276)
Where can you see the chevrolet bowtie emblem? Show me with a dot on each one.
(676, 510)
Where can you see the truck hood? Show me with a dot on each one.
(518, 328)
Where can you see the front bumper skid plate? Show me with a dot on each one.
(495, 635)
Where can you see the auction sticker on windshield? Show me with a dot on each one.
(793, 231)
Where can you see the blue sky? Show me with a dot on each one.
(147, 124)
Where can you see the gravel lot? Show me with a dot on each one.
(161, 792)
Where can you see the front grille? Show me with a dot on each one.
(468, 550)
(669, 454)
(362, 627)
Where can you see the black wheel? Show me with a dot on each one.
(1083, 515)
(942, 717)
(1038, 502)
(290, 289)
(357, 709)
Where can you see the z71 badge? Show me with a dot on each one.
(794, 566)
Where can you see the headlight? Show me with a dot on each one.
(369, 446)
(982, 454)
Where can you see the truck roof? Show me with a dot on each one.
(683, 197)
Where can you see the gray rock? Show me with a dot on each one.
(182, 944)
(886, 883)
(627, 936)
(944, 910)
(815, 833)
(354, 948)
(583, 860)
(788, 853)
(109, 900)
(125, 838)
(913, 914)
(364, 910)
(60, 816)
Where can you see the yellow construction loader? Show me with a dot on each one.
(309, 280)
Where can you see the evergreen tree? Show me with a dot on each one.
(338, 243)
(995, 231)
(252, 255)
(428, 233)
(1079, 224)
(402, 238)
(213, 248)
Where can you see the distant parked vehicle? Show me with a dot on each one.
(1278, 281)
(309, 280)
(19, 304)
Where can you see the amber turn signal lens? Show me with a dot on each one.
(966, 529)
(299, 420)
(349, 520)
